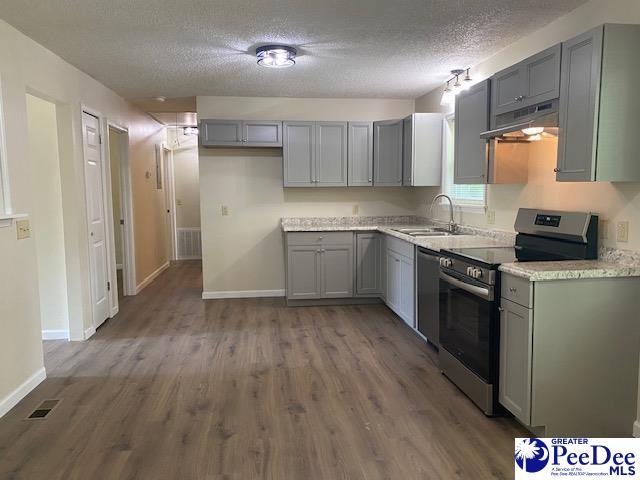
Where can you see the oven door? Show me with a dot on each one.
(467, 313)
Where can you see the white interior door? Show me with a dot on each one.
(169, 196)
(98, 256)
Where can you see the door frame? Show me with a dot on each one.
(126, 205)
(106, 200)
(170, 196)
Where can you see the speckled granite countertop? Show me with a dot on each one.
(569, 269)
(467, 238)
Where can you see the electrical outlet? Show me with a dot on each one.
(23, 228)
(225, 210)
(604, 229)
(356, 209)
(622, 231)
(491, 217)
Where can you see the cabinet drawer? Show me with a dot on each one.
(401, 247)
(518, 290)
(319, 238)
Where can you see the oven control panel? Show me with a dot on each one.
(548, 220)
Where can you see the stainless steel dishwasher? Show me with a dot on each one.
(429, 295)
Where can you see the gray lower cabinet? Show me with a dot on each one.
(471, 151)
(533, 80)
(368, 264)
(387, 153)
(516, 336)
(315, 154)
(303, 272)
(360, 154)
(422, 150)
(240, 133)
(598, 139)
(320, 265)
(400, 279)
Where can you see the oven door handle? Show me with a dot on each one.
(483, 293)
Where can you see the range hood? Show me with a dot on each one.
(543, 115)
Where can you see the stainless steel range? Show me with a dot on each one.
(470, 294)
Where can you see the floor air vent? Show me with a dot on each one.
(44, 409)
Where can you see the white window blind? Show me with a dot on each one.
(462, 195)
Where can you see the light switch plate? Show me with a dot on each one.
(491, 217)
(622, 231)
(225, 210)
(23, 228)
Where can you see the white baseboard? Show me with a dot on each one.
(636, 428)
(11, 400)
(55, 334)
(151, 278)
(242, 294)
(88, 333)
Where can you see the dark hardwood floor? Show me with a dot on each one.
(178, 388)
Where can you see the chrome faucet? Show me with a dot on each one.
(452, 225)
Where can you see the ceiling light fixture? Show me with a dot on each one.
(533, 130)
(449, 93)
(276, 56)
(188, 131)
(160, 99)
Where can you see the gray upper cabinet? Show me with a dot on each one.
(534, 80)
(239, 133)
(360, 154)
(471, 151)
(262, 133)
(422, 150)
(221, 133)
(368, 264)
(299, 154)
(331, 154)
(315, 154)
(387, 153)
(598, 138)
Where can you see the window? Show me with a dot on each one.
(466, 196)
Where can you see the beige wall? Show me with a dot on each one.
(115, 138)
(186, 177)
(26, 67)
(613, 201)
(47, 221)
(243, 251)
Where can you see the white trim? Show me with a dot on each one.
(114, 311)
(242, 294)
(89, 332)
(7, 220)
(11, 400)
(151, 278)
(636, 428)
(5, 195)
(55, 334)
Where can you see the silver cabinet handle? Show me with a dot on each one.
(322, 250)
(556, 170)
(500, 309)
(513, 289)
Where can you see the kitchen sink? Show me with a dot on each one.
(425, 232)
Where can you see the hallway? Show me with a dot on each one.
(178, 388)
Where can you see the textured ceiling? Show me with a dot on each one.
(348, 48)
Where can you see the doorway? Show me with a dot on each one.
(48, 217)
(167, 185)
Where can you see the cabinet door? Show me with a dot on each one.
(506, 89)
(407, 287)
(337, 271)
(360, 154)
(368, 268)
(471, 151)
(387, 153)
(579, 90)
(516, 342)
(262, 133)
(407, 151)
(541, 76)
(303, 272)
(221, 133)
(393, 297)
(331, 154)
(299, 154)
